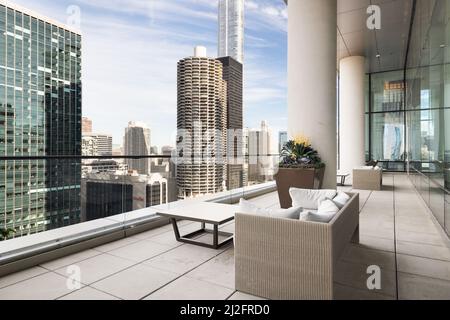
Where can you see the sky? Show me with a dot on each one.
(130, 50)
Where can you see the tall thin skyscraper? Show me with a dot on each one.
(137, 143)
(202, 124)
(231, 29)
(282, 140)
(40, 108)
(232, 74)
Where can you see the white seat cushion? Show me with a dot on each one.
(310, 198)
(248, 207)
(326, 212)
(309, 216)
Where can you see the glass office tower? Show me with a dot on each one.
(40, 119)
(408, 110)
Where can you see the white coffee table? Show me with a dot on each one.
(215, 214)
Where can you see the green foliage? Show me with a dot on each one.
(6, 233)
(300, 155)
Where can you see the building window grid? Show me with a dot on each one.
(22, 54)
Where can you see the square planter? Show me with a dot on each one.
(302, 178)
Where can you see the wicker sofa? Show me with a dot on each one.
(285, 259)
(368, 178)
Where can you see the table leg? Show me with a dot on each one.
(175, 229)
(189, 238)
(216, 236)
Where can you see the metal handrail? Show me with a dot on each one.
(75, 157)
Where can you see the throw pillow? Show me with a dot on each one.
(310, 198)
(327, 207)
(341, 199)
(248, 207)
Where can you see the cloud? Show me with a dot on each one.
(131, 49)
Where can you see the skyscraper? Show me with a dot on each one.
(40, 115)
(114, 192)
(260, 168)
(232, 74)
(137, 143)
(231, 29)
(97, 145)
(86, 126)
(104, 144)
(202, 123)
(282, 139)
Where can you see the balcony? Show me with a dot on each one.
(398, 233)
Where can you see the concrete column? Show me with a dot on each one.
(352, 122)
(312, 78)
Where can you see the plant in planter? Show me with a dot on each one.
(300, 167)
(6, 233)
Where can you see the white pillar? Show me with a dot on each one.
(352, 113)
(312, 71)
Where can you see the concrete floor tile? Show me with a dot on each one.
(191, 289)
(219, 270)
(423, 250)
(244, 297)
(135, 283)
(348, 293)
(99, 267)
(140, 251)
(182, 259)
(368, 257)
(48, 286)
(414, 287)
(69, 260)
(424, 267)
(88, 293)
(21, 276)
(356, 276)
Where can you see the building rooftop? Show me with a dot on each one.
(39, 16)
(398, 234)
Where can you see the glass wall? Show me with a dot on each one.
(386, 121)
(408, 111)
(428, 106)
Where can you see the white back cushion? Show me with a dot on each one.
(310, 198)
(248, 207)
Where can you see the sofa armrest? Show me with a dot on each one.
(283, 259)
(345, 225)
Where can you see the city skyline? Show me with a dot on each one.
(148, 38)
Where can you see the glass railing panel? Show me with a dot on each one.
(437, 202)
(53, 200)
(39, 194)
(447, 213)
